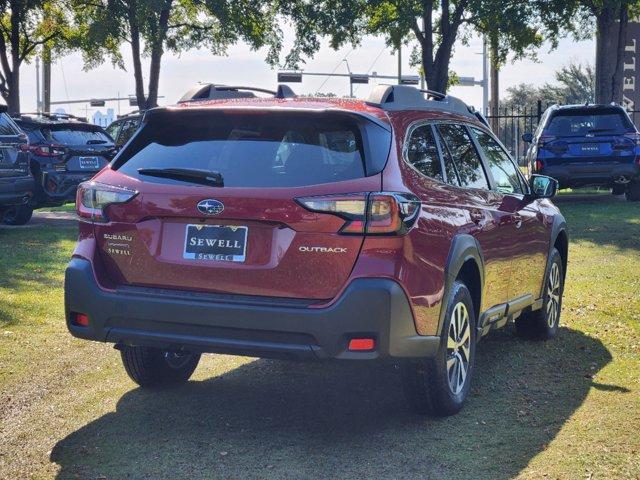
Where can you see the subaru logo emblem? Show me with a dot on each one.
(210, 206)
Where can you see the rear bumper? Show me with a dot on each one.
(15, 191)
(577, 174)
(368, 308)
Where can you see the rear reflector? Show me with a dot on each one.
(362, 344)
(80, 319)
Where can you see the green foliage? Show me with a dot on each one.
(575, 84)
(153, 27)
(26, 26)
(513, 25)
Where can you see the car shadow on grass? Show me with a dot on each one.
(271, 419)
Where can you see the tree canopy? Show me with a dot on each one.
(152, 27)
(436, 25)
(26, 25)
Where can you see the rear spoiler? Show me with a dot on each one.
(177, 110)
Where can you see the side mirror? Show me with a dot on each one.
(527, 137)
(3, 108)
(543, 186)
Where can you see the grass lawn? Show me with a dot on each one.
(569, 408)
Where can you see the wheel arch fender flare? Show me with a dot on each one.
(464, 248)
(558, 228)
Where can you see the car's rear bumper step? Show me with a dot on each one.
(376, 308)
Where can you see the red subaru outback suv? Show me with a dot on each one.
(394, 228)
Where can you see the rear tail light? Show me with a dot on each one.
(49, 150)
(93, 198)
(538, 166)
(373, 213)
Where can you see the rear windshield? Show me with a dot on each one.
(75, 136)
(575, 123)
(261, 149)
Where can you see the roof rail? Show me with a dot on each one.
(50, 116)
(405, 97)
(211, 91)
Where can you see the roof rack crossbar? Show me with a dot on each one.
(405, 97)
(207, 91)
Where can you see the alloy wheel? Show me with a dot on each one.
(177, 360)
(458, 348)
(553, 296)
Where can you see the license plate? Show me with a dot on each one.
(89, 163)
(223, 243)
(590, 148)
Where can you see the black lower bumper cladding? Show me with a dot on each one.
(373, 308)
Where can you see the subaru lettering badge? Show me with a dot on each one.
(210, 206)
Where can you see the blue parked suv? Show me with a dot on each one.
(587, 145)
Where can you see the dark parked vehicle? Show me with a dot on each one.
(588, 145)
(397, 228)
(64, 153)
(16, 182)
(123, 128)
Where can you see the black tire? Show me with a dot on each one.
(152, 367)
(543, 324)
(19, 215)
(427, 384)
(633, 191)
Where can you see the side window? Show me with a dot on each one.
(6, 126)
(128, 129)
(422, 153)
(503, 170)
(447, 160)
(465, 157)
(112, 129)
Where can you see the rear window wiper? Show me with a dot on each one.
(202, 177)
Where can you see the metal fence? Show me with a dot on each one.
(509, 124)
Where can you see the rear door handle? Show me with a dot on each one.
(517, 220)
(476, 216)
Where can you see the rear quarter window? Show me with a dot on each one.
(261, 149)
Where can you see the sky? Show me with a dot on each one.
(242, 66)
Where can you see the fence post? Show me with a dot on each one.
(539, 110)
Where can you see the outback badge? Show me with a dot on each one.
(210, 206)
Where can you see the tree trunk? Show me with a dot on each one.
(157, 50)
(618, 74)
(611, 24)
(13, 85)
(136, 53)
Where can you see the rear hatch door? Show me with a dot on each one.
(246, 235)
(87, 147)
(601, 136)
